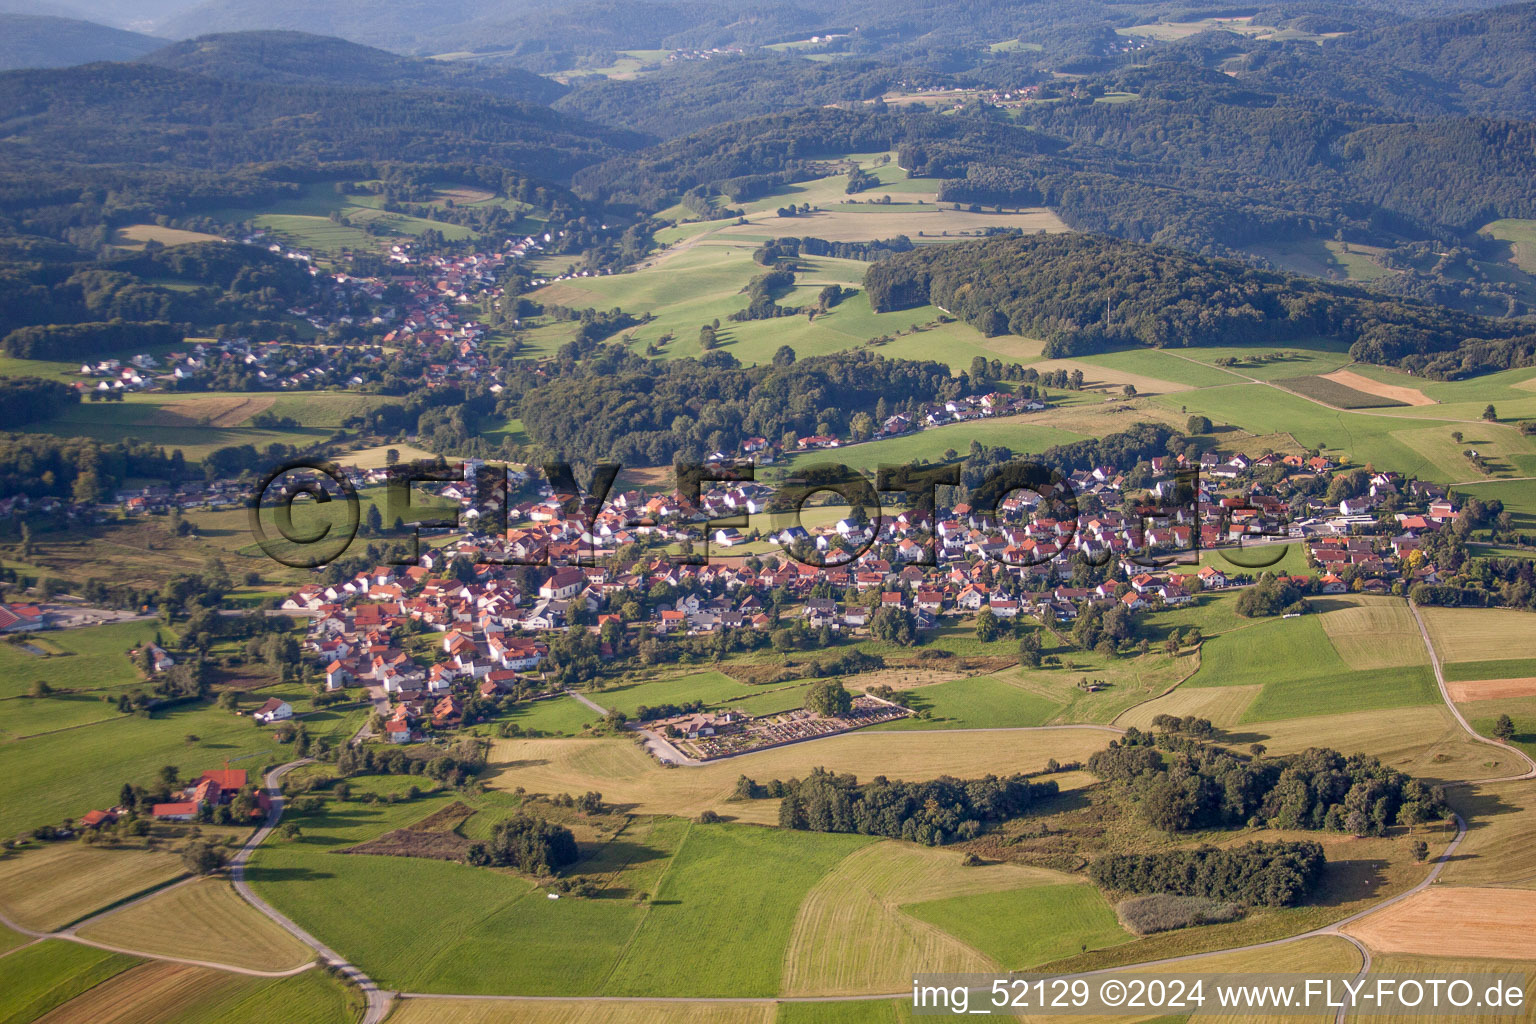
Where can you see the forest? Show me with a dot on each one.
(618, 406)
(1085, 294)
(933, 813)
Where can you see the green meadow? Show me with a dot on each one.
(37, 979)
(1302, 675)
(1023, 928)
(102, 755)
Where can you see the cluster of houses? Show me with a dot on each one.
(966, 562)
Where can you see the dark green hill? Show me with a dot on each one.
(40, 41)
(137, 114)
(281, 56)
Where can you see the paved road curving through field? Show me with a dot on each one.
(379, 1001)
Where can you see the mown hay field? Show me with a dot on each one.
(203, 920)
(1471, 634)
(58, 883)
(1425, 742)
(1371, 632)
(855, 910)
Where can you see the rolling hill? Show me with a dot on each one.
(43, 41)
(284, 56)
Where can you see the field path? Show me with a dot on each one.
(379, 1001)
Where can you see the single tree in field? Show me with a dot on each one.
(1420, 850)
(391, 456)
(40, 688)
(1490, 414)
(1504, 728)
(1257, 749)
(1198, 425)
(1129, 390)
(1456, 436)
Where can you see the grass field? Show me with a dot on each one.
(125, 748)
(855, 909)
(707, 265)
(305, 221)
(37, 979)
(89, 659)
(1484, 714)
(199, 423)
(52, 885)
(1470, 634)
(157, 992)
(205, 920)
(133, 236)
(692, 941)
(1521, 235)
(560, 716)
(1026, 927)
(1301, 673)
(981, 702)
(624, 774)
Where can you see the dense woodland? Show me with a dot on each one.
(932, 813)
(1177, 786)
(1253, 875)
(1088, 294)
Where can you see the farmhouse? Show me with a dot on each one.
(274, 710)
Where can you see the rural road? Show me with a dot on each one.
(379, 1001)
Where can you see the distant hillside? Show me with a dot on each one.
(283, 56)
(41, 41)
(1474, 63)
(134, 113)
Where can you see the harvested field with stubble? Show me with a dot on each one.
(155, 993)
(203, 920)
(1490, 689)
(209, 411)
(1222, 705)
(1425, 742)
(152, 992)
(1395, 393)
(1457, 922)
(627, 777)
(851, 937)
